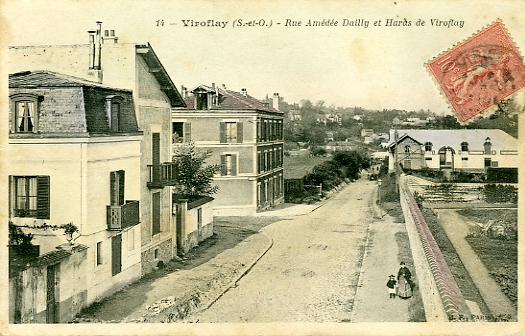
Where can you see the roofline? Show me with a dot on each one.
(160, 74)
(80, 81)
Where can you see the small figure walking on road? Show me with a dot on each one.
(391, 284)
(405, 285)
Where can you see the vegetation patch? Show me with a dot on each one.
(497, 245)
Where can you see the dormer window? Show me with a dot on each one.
(201, 101)
(113, 110)
(464, 146)
(428, 146)
(25, 108)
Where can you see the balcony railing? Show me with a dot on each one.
(162, 175)
(123, 216)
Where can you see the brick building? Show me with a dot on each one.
(136, 67)
(245, 136)
(74, 157)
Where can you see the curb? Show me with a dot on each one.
(233, 283)
(191, 307)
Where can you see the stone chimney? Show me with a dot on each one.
(275, 101)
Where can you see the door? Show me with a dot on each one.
(116, 254)
(52, 313)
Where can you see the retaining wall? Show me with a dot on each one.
(440, 294)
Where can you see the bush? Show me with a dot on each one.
(498, 193)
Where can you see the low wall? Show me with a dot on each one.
(440, 294)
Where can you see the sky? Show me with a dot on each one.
(375, 67)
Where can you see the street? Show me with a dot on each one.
(311, 272)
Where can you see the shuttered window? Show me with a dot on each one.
(231, 132)
(30, 196)
(229, 165)
(117, 180)
(155, 215)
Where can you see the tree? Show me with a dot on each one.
(194, 178)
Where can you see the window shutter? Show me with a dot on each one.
(121, 181)
(223, 132)
(42, 200)
(234, 165)
(239, 132)
(113, 187)
(223, 165)
(12, 194)
(187, 132)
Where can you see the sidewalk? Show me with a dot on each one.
(372, 302)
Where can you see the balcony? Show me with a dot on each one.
(122, 216)
(162, 175)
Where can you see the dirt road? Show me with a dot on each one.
(311, 272)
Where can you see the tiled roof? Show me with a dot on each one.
(454, 138)
(45, 78)
(231, 100)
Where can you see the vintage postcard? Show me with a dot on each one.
(306, 167)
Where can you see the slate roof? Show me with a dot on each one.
(454, 138)
(232, 100)
(45, 78)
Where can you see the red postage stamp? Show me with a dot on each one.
(479, 72)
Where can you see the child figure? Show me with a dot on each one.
(391, 284)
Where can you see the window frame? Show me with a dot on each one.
(114, 114)
(41, 197)
(25, 98)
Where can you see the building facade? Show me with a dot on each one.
(245, 136)
(73, 157)
(468, 150)
(136, 67)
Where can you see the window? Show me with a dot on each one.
(464, 146)
(428, 146)
(116, 254)
(156, 253)
(231, 132)
(30, 196)
(201, 101)
(407, 149)
(114, 113)
(25, 108)
(99, 253)
(228, 165)
(117, 180)
(488, 162)
(181, 132)
(488, 146)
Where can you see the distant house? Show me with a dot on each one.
(366, 132)
(294, 115)
(469, 150)
(74, 157)
(245, 136)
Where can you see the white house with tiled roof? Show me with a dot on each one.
(245, 136)
(469, 150)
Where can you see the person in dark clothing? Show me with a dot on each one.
(405, 285)
(391, 284)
